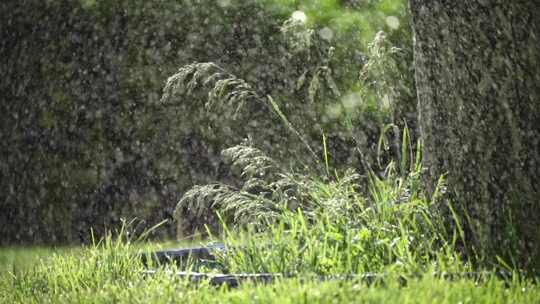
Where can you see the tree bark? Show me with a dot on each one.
(478, 83)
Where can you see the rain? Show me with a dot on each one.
(270, 140)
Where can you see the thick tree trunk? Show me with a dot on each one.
(478, 82)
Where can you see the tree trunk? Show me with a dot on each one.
(478, 84)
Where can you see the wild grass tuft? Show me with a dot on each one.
(338, 230)
(226, 92)
(266, 191)
(295, 223)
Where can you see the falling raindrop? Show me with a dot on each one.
(299, 16)
(224, 3)
(326, 33)
(392, 22)
(351, 101)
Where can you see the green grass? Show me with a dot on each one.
(21, 259)
(339, 226)
(391, 230)
(308, 228)
(108, 274)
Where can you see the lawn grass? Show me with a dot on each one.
(390, 229)
(15, 259)
(111, 271)
(108, 274)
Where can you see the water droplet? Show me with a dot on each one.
(351, 101)
(299, 16)
(392, 22)
(326, 33)
(334, 111)
(224, 3)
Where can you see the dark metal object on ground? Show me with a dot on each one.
(183, 255)
(234, 279)
(231, 280)
(206, 256)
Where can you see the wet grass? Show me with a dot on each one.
(322, 250)
(386, 232)
(108, 273)
(21, 259)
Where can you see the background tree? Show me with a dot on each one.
(478, 82)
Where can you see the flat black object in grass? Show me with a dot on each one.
(204, 256)
(183, 255)
(231, 279)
